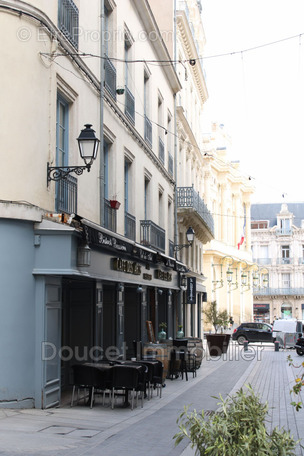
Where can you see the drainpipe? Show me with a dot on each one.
(101, 167)
(179, 296)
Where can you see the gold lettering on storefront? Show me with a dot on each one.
(129, 267)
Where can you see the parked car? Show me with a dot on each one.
(253, 332)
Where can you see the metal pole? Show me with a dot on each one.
(101, 167)
(179, 294)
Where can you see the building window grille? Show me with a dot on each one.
(66, 195)
(68, 21)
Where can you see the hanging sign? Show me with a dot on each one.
(191, 290)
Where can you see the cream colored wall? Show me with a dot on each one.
(32, 84)
(30, 126)
(227, 193)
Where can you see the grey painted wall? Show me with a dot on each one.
(17, 323)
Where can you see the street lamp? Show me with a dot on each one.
(88, 148)
(190, 234)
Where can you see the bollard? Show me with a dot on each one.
(276, 346)
(245, 345)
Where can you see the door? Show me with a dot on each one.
(109, 318)
(52, 345)
(132, 319)
(266, 333)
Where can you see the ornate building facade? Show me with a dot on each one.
(277, 232)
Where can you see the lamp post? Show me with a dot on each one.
(190, 234)
(88, 148)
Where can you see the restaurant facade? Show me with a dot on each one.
(81, 278)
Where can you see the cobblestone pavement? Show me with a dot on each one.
(81, 431)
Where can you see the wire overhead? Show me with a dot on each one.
(191, 61)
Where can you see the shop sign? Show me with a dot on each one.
(147, 276)
(130, 267)
(264, 307)
(191, 290)
(162, 275)
(147, 256)
(181, 267)
(169, 263)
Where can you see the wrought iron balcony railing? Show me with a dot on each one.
(130, 105)
(161, 150)
(262, 260)
(187, 197)
(279, 292)
(148, 131)
(110, 217)
(68, 21)
(283, 232)
(170, 164)
(130, 226)
(110, 77)
(171, 249)
(284, 260)
(152, 235)
(66, 195)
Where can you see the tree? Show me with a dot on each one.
(215, 317)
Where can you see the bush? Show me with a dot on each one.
(236, 429)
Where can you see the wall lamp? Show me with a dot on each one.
(245, 276)
(88, 148)
(229, 274)
(261, 278)
(190, 234)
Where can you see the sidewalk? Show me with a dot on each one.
(79, 430)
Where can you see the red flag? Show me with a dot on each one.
(243, 235)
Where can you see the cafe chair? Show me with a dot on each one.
(158, 377)
(126, 378)
(83, 378)
(101, 384)
(178, 359)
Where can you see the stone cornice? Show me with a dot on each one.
(191, 53)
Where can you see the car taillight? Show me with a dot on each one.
(234, 330)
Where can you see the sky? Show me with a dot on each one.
(258, 94)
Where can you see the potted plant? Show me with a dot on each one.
(180, 332)
(162, 335)
(217, 343)
(114, 204)
(236, 428)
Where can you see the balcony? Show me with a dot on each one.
(283, 232)
(262, 261)
(110, 217)
(130, 226)
(170, 164)
(279, 292)
(284, 260)
(130, 105)
(66, 195)
(68, 19)
(152, 235)
(195, 213)
(161, 150)
(171, 249)
(110, 78)
(148, 131)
